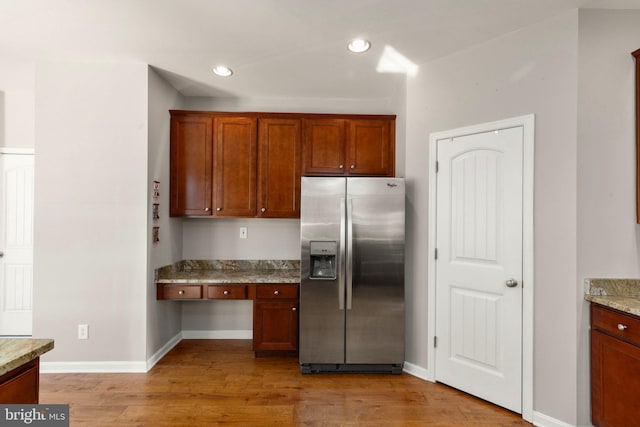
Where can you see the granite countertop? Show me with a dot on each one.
(230, 271)
(15, 352)
(619, 294)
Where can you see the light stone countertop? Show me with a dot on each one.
(619, 294)
(15, 352)
(230, 271)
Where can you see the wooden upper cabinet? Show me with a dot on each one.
(234, 166)
(324, 147)
(191, 165)
(349, 147)
(249, 164)
(279, 158)
(370, 149)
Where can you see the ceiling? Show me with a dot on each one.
(277, 48)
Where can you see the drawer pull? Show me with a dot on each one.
(622, 327)
(293, 309)
(276, 292)
(181, 292)
(226, 292)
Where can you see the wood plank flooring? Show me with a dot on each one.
(220, 382)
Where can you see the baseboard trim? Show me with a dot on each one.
(92, 367)
(139, 367)
(417, 371)
(542, 420)
(155, 358)
(218, 335)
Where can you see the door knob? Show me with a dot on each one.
(511, 283)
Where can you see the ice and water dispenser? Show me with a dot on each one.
(323, 259)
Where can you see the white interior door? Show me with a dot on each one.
(16, 243)
(479, 235)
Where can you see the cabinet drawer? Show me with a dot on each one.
(278, 291)
(179, 292)
(615, 323)
(227, 292)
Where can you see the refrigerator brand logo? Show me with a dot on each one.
(391, 185)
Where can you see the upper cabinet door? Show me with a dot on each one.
(349, 147)
(370, 147)
(234, 166)
(191, 165)
(324, 147)
(279, 158)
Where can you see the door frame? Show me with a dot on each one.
(527, 122)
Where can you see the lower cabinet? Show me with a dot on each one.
(275, 309)
(615, 368)
(20, 386)
(275, 318)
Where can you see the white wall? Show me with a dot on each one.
(17, 103)
(206, 238)
(90, 261)
(164, 319)
(533, 70)
(608, 237)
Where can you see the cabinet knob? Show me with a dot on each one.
(225, 292)
(180, 292)
(622, 327)
(263, 209)
(294, 309)
(276, 292)
(341, 166)
(353, 166)
(218, 209)
(206, 209)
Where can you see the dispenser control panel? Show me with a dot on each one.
(323, 259)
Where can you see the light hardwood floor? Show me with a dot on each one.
(219, 382)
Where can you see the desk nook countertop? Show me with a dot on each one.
(229, 271)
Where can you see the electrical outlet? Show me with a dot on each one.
(83, 332)
(243, 232)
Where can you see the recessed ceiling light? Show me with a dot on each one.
(222, 71)
(359, 45)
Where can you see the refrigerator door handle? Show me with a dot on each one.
(349, 252)
(341, 267)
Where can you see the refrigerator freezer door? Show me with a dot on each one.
(375, 301)
(322, 315)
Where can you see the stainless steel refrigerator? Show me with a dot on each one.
(352, 275)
